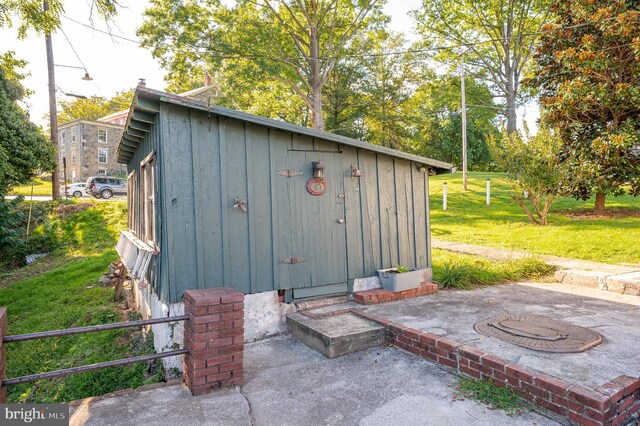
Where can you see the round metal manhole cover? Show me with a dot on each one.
(539, 333)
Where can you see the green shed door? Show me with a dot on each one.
(312, 251)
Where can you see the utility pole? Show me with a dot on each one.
(464, 125)
(53, 113)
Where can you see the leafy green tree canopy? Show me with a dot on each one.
(30, 14)
(23, 149)
(588, 74)
(293, 42)
(437, 122)
(94, 107)
(496, 38)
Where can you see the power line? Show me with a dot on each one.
(78, 56)
(102, 31)
(73, 49)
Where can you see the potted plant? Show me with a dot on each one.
(400, 278)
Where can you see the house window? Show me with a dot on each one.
(85, 133)
(102, 172)
(147, 189)
(73, 156)
(63, 138)
(102, 155)
(102, 135)
(73, 136)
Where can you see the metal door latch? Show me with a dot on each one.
(240, 205)
(292, 260)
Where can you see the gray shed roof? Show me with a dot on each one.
(146, 103)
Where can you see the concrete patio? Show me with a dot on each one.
(288, 383)
(452, 314)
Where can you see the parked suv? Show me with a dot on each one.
(105, 186)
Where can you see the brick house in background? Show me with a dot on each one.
(90, 145)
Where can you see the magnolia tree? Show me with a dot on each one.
(534, 168)
(588, 75)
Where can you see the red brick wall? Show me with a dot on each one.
(214, 335)
(614, 403)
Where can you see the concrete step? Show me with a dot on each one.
(336, 335)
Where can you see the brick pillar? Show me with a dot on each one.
(214, 334)
(3, 354)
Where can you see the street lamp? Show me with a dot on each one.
(53, 112)
(86, 77)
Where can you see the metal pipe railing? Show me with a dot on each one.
(90, 329)
(99, 365)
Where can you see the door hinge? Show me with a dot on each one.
(289, 173)
(292, 260)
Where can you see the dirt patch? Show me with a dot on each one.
(65, 210)
(608, 214)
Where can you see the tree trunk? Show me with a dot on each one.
(599, 209)
(316, 80)
(524, 207)
(512, 118)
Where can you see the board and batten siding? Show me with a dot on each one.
(206, 161)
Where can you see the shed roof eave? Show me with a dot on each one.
(144, 93)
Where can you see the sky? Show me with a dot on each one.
(117, 64)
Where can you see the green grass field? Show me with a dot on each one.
(40, 188)
(573, 231)
(62, 291)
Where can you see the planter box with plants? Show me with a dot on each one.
(400, 278)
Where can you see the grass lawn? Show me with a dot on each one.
(68, 295)
(573, 231)
(40, 187)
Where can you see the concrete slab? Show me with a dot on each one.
(452, 313)
(170, 405)
(288, 383)
(335, 336)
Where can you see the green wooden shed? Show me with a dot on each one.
(221, 198)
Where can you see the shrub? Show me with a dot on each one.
(465, 272)
(535, 170)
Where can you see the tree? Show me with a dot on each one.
(23, 148)
(31, 15)
(535, 169)
(588, 74)
(437, 122)
(94, 107)
(344, 104)
(495, 37)
(390, 80)
(294, 42)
